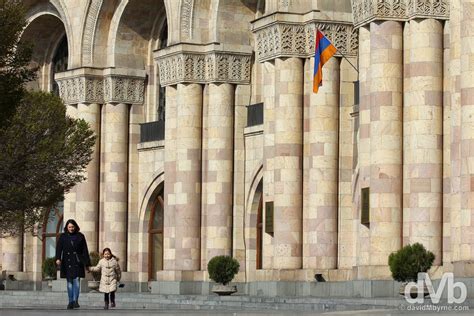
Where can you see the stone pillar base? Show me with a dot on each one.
(463, 268)
(181, 287)
(371, 273)
(175, 275)
(16, 275)
(302, 275)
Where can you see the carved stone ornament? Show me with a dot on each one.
(82, 89)
(195, 67)
(120, 89)
(283, 39)
(77, 88)
(366, 11)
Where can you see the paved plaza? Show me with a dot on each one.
(135, 312)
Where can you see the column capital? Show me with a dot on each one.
(293, 35)
(101, 85)
(366, 11)
(193, 63)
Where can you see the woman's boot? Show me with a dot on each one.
(106, 306)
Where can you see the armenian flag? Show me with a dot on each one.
(323, 51)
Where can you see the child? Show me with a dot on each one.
(110, 276)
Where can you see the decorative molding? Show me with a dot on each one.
(187, 19)
(366, 11)
(195, 67)
(284, 39)
(437, 9)
(89, 31)
(121, 89)
(88, 85)
(81, 89)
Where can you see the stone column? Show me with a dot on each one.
(386, 88)
(423, 142)
(87, 192)
(169, 227)
(217, 173)
(288, 173)
(363, 252)
(268, 154)
(134, 197)
(70, 197)
(320, 217)
(448, 88)
(467, 135)
(187, 188)
(455, 140)
(115, 179)
(348, 123)
(12, 250)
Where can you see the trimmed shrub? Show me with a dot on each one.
(408, 261)
(222, 269)
(49, 268)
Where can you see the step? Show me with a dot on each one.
(17, 299)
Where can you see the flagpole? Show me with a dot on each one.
(347, 60)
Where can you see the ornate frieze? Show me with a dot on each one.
(88, 85)
(284, 39)
(366, 11)
(437, 9)
(83, 89)
(120, 89)
(205, 67)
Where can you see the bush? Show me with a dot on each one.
(95, 257)
(49, 268)
(408, 261)
(222, 269)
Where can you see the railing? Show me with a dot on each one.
(152, 131)
(254, 114)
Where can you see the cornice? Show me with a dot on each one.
(188, 63)
(93, 85)
(293, 35)
(366, 11)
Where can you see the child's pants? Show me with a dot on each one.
(112, 297)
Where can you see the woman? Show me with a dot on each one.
(72, 255)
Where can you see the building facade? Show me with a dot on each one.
(211, 142)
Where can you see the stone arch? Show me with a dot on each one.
(54, 7)
(230, 19)
(186, 21)
(150, 193)
(45, 30)
(129, 36)
(88, 33)
(96, 32)
(255, 193)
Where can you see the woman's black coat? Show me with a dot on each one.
(73, 254)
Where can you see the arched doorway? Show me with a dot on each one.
(155, 235)
(52, 224)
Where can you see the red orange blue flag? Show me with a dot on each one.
(324, 50)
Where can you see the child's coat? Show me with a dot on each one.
(110, 274)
